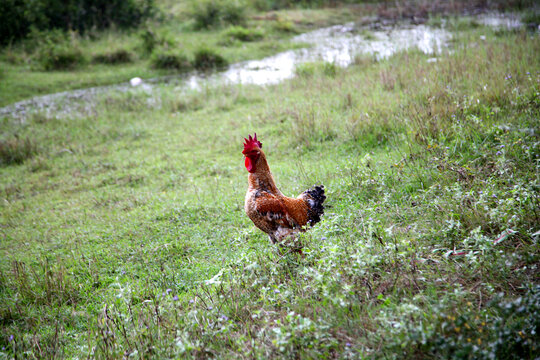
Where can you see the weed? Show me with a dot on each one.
(120, 56)
(58, 51)
(285, 26)
(310, 69)
(531, 18)
(210, 13)
(243, 34)
(208, 59)
(170, 60)
(150, 40)
(16, 150)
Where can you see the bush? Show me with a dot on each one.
(211, 13)
(150, 41)
(16, 150)
(233, 12)
(266, 5)
(285, 26)
(207, 59)
(170, 60)
(17, 17)
(61, 58)
(120, 56)
(57, 52)
(243, 34)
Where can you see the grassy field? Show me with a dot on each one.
(123, 233)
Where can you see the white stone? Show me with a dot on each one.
(136, 81)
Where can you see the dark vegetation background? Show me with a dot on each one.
(19, 17)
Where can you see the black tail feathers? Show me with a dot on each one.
(315, 200)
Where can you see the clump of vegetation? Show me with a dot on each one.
(170, 59)
(120, 56)
(208, 59)
(456, 330)
(57, 50)
(243, 34)
(150, 40)
(212, 13)
(531, 19)
(16, 150)
(285, 26)
(309, 69)
(60, 57)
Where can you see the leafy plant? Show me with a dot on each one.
(120, 56)
(207, 59)
(168, 59)
(243, 34)
(58, 51)
(16, 150)
(211, 13)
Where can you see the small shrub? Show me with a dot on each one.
(205, 14)
(462, 24)
(57, 50)
(170, 60)
(243, 34)
(310, 69)
(364, 61)
(120, 56)
(515, 331)
(510, 331)
(211, 13)
(16, 150)
(207, 59)
(305, 70)
(233, 12)
(11, 56)
(285, 26)
(150, 41)
(60, 57)
(531, 18)
(329, 69)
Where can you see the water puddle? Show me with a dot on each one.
(496, 20)
(339, 44)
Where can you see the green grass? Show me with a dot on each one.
(421, 162)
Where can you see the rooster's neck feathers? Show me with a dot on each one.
(262, 178)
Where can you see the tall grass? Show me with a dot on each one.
(16, 150)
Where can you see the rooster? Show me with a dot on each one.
(277, 215)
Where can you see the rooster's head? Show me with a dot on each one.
(252, 152)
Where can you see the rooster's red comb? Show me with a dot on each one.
(251, 142)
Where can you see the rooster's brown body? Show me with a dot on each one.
(277, 215)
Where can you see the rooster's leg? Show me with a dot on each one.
(272, 238)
